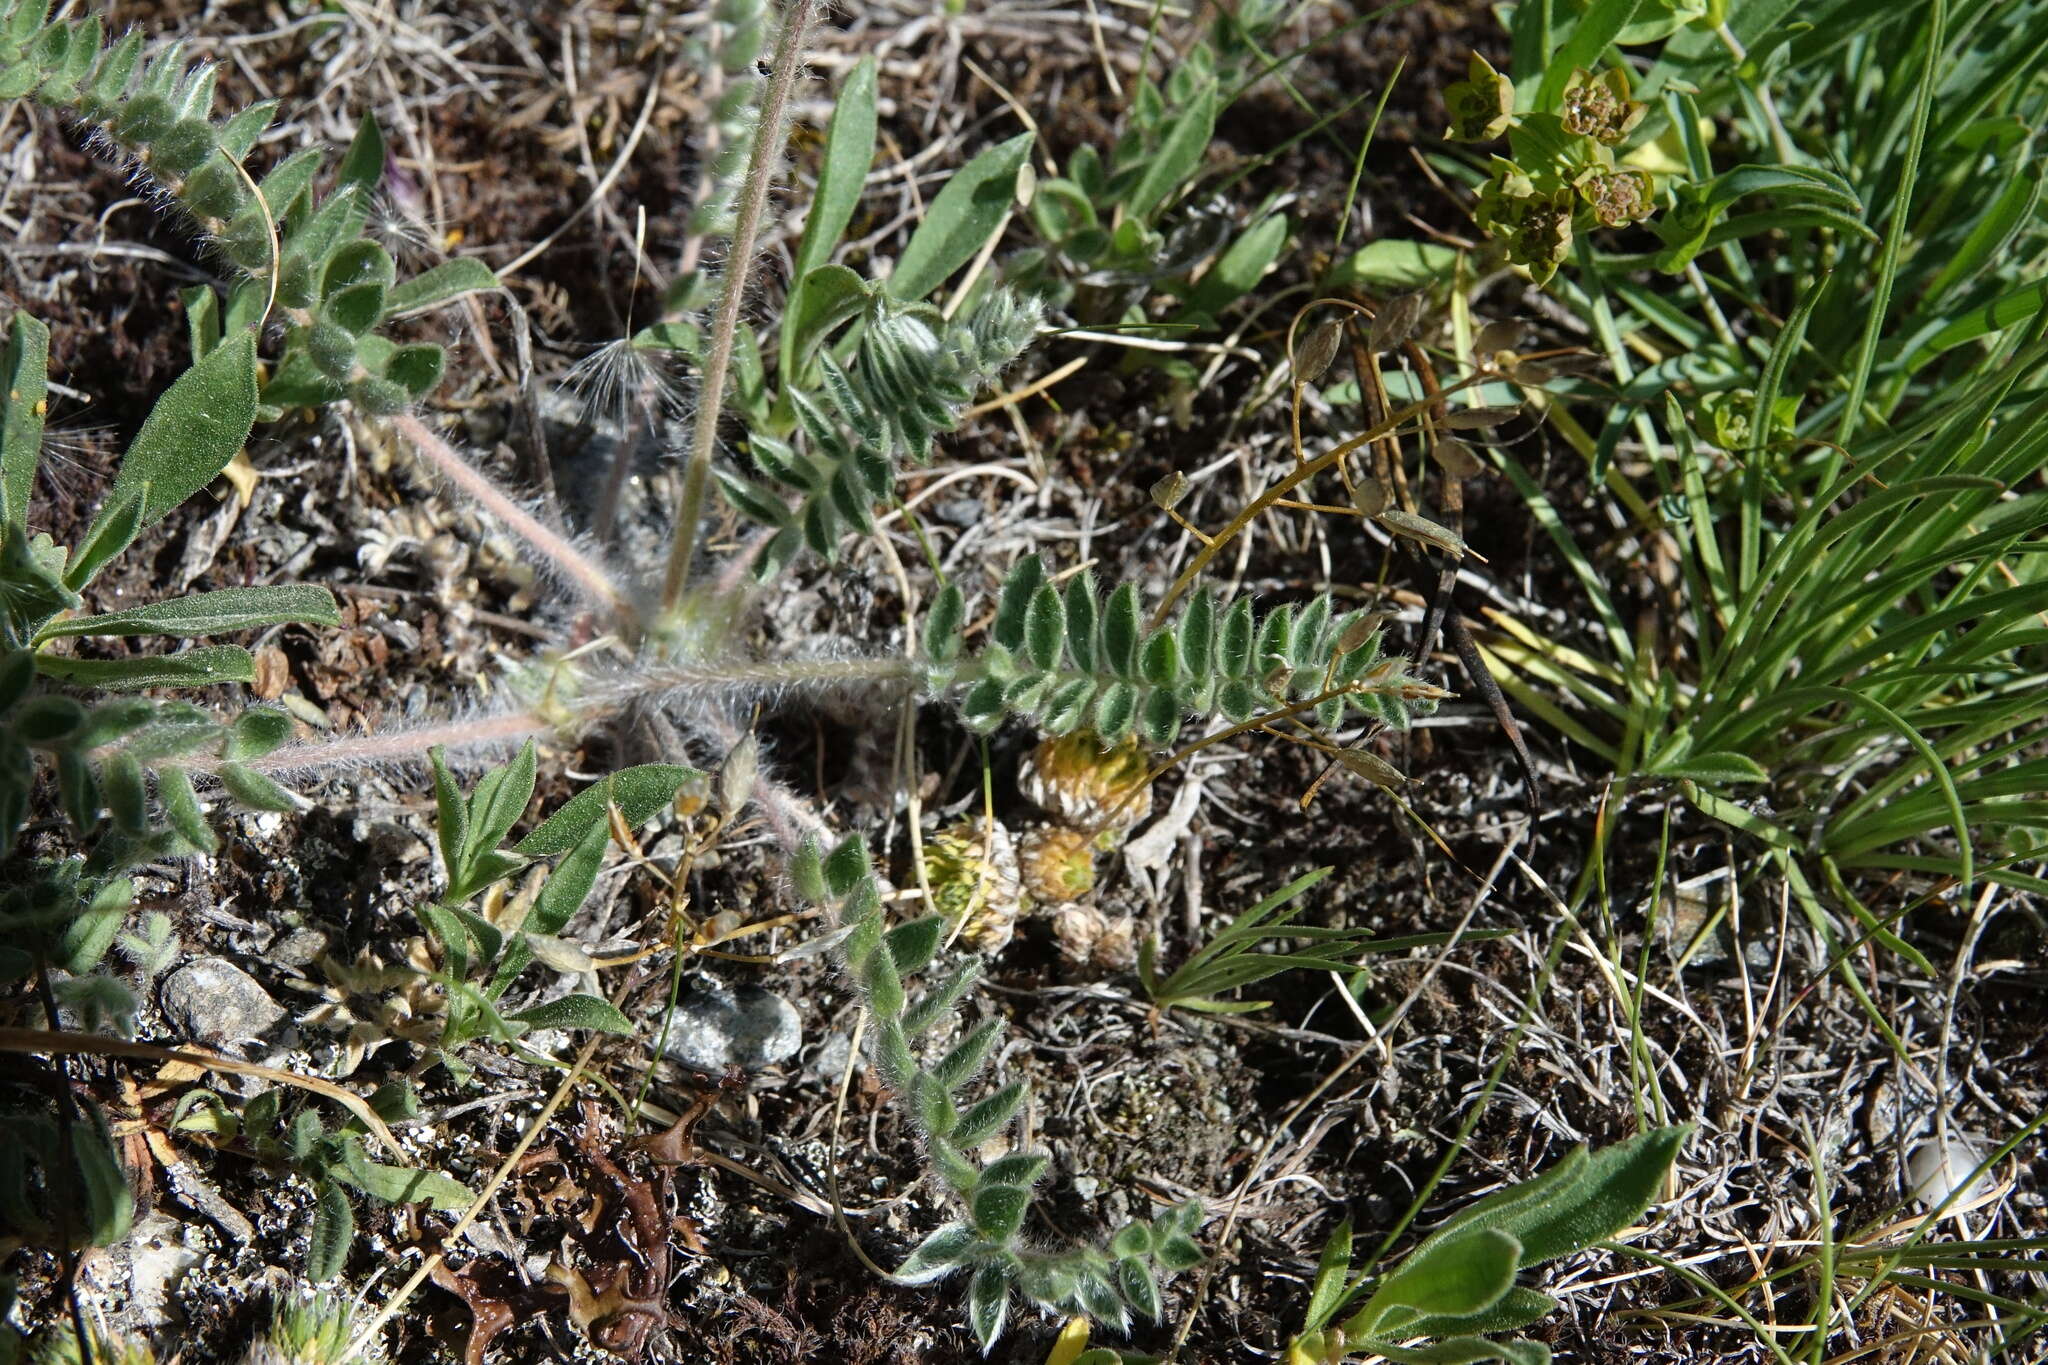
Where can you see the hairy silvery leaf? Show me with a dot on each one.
(939, 1254)
(990, 1116)
(988, 1303)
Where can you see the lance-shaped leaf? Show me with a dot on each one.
(193, 431)
(209, 613)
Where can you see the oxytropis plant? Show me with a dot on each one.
(868, 371)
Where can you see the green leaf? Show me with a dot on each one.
(849, 152)
(1326, 1295)
(999, 1211)
(1453, 1278)
(193, 431)
(960, 220)
(942, 624)
(1517, 1308)
(823, 298)
(24, 402)
(1241, 267)
(1120, 627)
(1014, 606)
(208, 613)
(362, 166)
(407, 1185)
(1722, 767)
(253, 789)
(988, 1118)
(1045, 627)
(86, 939)
(334, 1232)
(577, 1012)
(1136, 1281)
(640, 793)
(944, 1251)
(988, 1303)
(1583, 1199)
(192, 668)
(965, 1059)
(256, 732)
(111, 533)
(500, 798)
(912, 944)
(1466, 1351)
(448, 280)
(1393, 265)
(1179, 155)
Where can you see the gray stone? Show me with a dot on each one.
(212, 1001)
(718, 1026)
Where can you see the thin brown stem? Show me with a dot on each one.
(590, 578)
(768, 139)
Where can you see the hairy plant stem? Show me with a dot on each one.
(579, 701)
(768, 140)
(590, 578)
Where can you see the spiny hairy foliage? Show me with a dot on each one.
(335, 288)
(987, 1242)
(912, 374)
(1067, 658)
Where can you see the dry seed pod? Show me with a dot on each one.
(1424, 530)
(1456, 458)
(1084, 785)
(1369, 496)
(1372, 768)
(1530, 374)
(1359, 632)
(1398, 320)
(1058, 864)
(1168, 492)
(1088, 938)
(736, 776)
(1465, 419)
(1318, 351)
(1494, 338)
(972, 868)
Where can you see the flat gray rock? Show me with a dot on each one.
(212, 1001)
(717, 1026)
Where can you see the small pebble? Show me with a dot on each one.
(718, 1026)
(212, 1001)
